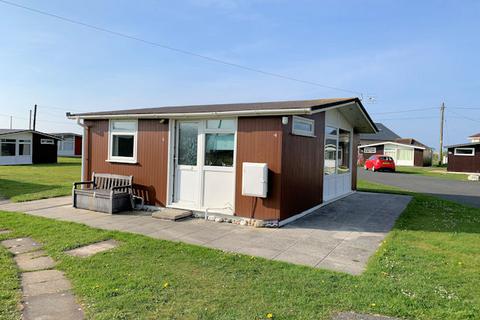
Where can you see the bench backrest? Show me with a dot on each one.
(107, 181)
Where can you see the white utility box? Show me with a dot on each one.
(255, 179)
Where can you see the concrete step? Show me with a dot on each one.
(171, 214)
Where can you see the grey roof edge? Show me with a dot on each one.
(14, 131)
(467, 144)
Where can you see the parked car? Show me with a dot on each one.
(380, 162)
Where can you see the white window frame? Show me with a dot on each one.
(4, 140)
(47, 141)
(464, 155)
(111, 132)
(303, 132)
(24, 142)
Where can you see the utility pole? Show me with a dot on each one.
(11, 124)
(34, 117)
(442, 121)
(30, 120)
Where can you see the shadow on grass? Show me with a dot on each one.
(13, 188)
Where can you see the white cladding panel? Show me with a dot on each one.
(255, 179)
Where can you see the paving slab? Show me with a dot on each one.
(52, 306)
(359, 316)
(5, 231)
(44, 282)
(21, 245)
(36, 204)
(94, 248)
(34, 261)
(171, 214)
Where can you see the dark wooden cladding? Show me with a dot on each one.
(78, 146)
(43, 153)
(302, 168)
(362, 156)
(150, 171)
(355, 143)
(259, 140)
(464, 163)
(418, 158)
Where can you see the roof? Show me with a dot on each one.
(299, 107)
(468, 144)
(412, 142)
(476, 135)
(13, 131)
(391, 142)
(383, 134)
(66, 134)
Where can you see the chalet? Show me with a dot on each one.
(19, 146)
(269, 161)
(465, 157)
(70, 144)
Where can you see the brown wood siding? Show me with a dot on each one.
(78, 146)
(150, 173)
(43, 153)
(302, 168)
(259, 139)
(464, 163)
(418, 158)
(355, 143)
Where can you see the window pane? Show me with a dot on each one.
(330, 156)
(187, 143)
(122, 146)
(68, 145)
(128, 126)
(7, 149)
(330, 131)
(405, 154)
(225, 124)
(24, 149)
(303, 126)
(343, 151)
(462, 151)
(219, 149)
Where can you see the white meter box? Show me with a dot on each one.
(254, 179)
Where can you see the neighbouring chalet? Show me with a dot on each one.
(19, 146)
(271, 161)
(404, 151)
(70, 144)
(465, 157)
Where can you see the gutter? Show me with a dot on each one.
(194, 115)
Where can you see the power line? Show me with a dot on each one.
(464, 117)
(409, 118)
(405, 111)
(177, 50)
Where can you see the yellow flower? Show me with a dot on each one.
(269, 316)
(372, 305)
(165, 284)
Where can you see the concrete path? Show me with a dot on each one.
(464, 192)
(340, 236)
(46, 293)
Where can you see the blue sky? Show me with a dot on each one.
(408, 54)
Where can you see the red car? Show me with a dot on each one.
(380, 162)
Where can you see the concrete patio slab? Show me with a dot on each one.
(171, 214)
(94, 248)
(61, 305)
(5, 231)
(44, 282)
(340, 236)
(34, 261)
(359, 316)
(36, 204)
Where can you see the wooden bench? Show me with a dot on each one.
(108, 193)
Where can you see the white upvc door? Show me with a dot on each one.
(204, 173)
(186, 164)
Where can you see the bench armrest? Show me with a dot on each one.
(75, 184)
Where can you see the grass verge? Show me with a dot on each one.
(39, 181)
(438, 172)
(426, 269)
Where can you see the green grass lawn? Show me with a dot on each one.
(38, 181)
(439, 172)
(427, 268)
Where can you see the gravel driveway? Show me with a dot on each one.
(464, 192)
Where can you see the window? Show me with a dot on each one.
(7, 147)
(303, 126)
(464, 151)
(370, 150)
(24, 147)
(221, 124)
(343, 151)
(330, 150)
(187, 143)
(219, 149)
(123, 136)
(66, 144)
(47, 141)
(404, 154)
